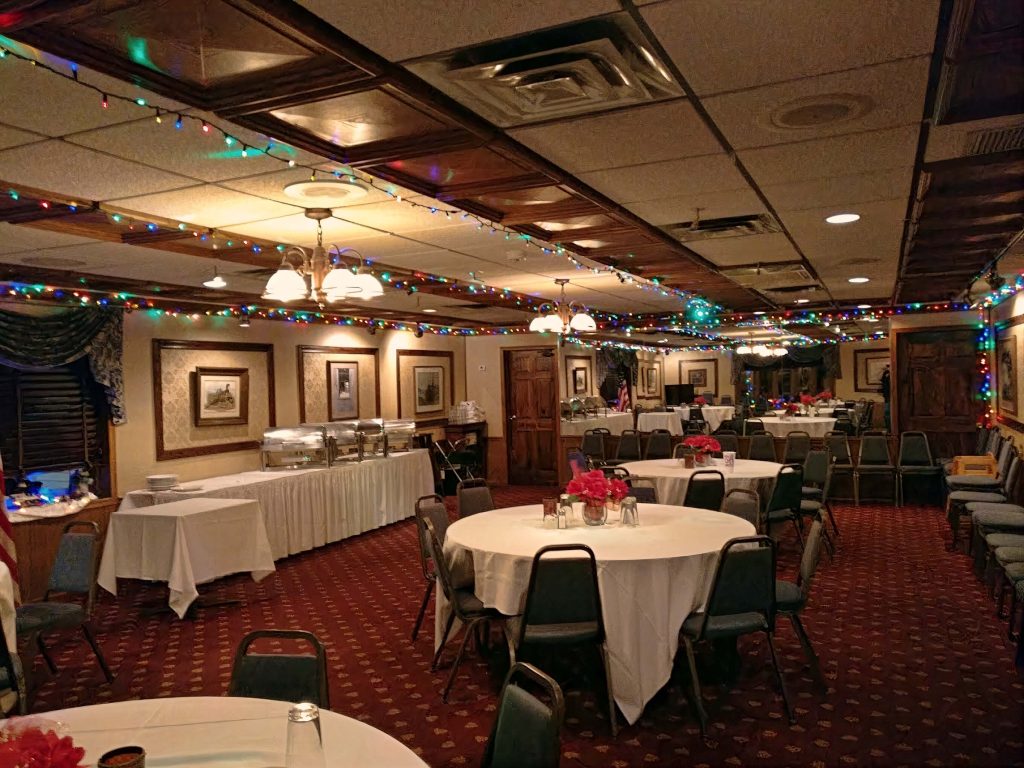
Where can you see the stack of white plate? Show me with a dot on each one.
(161, 482)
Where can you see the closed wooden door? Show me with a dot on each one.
(531, 407)
(934, 389)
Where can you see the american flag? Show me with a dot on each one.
(623, 396)
(8, 555)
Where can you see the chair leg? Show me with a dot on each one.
(467, 633)
(812, 657)
(444, 639)
(423, 610)
(798, 524)
(698, 704)
(87, 631)
(510, 642)
(831, 517)
(856, 488)
(46, 654)
(778, 676)
(608, 686)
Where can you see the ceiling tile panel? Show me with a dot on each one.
(725, 46)
(713, 205)
(298, 230)
(841, 193)
(270, 186)
(14, 239)
(14, 137)
(752, 249)
(674, 178)
(206, 205)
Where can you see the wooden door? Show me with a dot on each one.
(934, 387)
(531, 408)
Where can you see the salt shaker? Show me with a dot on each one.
(305, 748)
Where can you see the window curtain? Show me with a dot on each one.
(49, 341)
(825, 355)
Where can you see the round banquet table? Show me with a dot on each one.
(649, 421)
(714, 415)
(651, 578)
(671, 477)
(223, 732)
(815, 426)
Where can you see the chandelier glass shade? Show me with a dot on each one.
(563, 317)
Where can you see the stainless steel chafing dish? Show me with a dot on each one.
(292, 447)
(400, 434)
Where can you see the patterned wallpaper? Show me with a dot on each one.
(314, 383)
(175, 367)
(406, 364)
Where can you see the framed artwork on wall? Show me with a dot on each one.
(428, 381)
(342, 390)
(1007, 372)
(220, 396)
(868, 367)
(698, 378)
(579, 381)
(702, 374)
(652, 381)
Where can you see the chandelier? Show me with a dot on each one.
(321, 275)
(761, 350)
(562, 317)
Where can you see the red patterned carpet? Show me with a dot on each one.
(919, 669)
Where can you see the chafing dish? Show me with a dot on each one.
(293, 447)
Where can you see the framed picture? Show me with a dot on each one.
(428, 381)
(342, 390)
(698, 377)
(1006, 374)
(579, 381)
(702, 374)
(868, 367)
(652, 381)
(220, 396)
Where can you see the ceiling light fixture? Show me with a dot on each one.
(562, 317)
(216, 281)
(842, 218)
(803, 301)
(863, 306)
(859, 280)
(321, 275)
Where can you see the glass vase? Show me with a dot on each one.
(594, 514)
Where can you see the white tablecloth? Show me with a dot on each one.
(307, 508)
(815, 426)
(7, 615)
(222, 732)
(827, 411)
(671, 478)
(186, 543)
(649, 421)
(651, 578)
(613, 422)
(682, 410)
(714, 415)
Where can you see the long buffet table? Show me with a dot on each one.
(308, 508)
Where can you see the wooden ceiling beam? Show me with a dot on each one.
(949, 208)
(1009, 157)
(565, 209)
(988, 189)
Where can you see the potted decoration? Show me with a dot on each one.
(593, 489)
(702, 447)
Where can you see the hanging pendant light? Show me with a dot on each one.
(216, 281)
(562, 318)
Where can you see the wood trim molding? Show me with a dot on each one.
(301, 351)
(450, 356)
(159, 345)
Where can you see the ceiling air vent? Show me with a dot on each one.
(728, 226)
(580, 68)
(789, 277)
(995, 140)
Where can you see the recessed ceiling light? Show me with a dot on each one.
(429, 309)
(803, 301)
(863, 306)
(759, 312)
(858, 279)
(842, 218)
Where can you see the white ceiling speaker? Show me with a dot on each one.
(327, 193)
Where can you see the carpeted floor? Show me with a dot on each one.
(919, 669)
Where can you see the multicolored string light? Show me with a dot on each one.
(986, 346)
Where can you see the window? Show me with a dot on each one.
(54, 419)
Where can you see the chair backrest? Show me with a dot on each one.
(620, 472)
(914, 450)
(659, 444)
(992, 443)
(744, 580)
(752, 425)
(981, 440)
(709, 397)
(592, 444)
(810, 557)
(846, 426)
(1010, 479)
(629, 446)
(816, 468)
(441, 570)
(725, 400)
(874, 450)
(430, 508)
(578, 462)
(745, 503)
(728, 440)
(787, 493)
(1006, 453)
(838, 444)
(279, 676)
(563, 591)
(840, 413)
(762, 447)
(705, 489)
(643, 490)
(798, 444)
(74, 567)
(473, 496)
(526, 730)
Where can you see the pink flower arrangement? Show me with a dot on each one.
(38, 749)
(792, 408)
(703, 444)
(594, 488)
(824, 396)
(699, 401)
(806, 400)
(617, 489)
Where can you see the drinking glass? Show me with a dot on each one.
(305, 748)
(550, 511)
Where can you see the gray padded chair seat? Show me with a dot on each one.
(869, 469)
(999, 519)
(913, 469)
(49, 615)
(579, 632)
(984, 496)
(978, 506)
(809, 491)
(974, 481)
(780, 515)
(468, 601)
(725, 626)
(1006, 555)
(1005, 540)
(789, 597)
(1014, 572)
(810, 507)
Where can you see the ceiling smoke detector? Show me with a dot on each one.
(819, 111)
(326, 192)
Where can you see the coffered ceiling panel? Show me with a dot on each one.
(82, 173)
(880, 96)
(752, 249)
(841, 191)
(404, 29)
(669, 131)
(674, 178)
(713, 205)
(835, 156)
(206, 205)
(771, 42)
(470, 166)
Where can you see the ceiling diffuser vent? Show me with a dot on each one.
(729, 226)
(996, 140)
(778, 278)
(572, 70)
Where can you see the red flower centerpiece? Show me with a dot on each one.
(702, 447)
(699, 401)
(825, 396)
(791, 409)
(807, 400)
(32, 746)
(595, 491)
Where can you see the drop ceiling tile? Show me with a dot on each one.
(15, 137)
(835, 156)
(751, 249)
(397, 216)
(17, 239)
(75, 172)
(713, 205)
(724, 46)
(270, 186)
(669, 131)
(207, 205)
(428, 28)
(298, 230)
(888, 94)
(841, 193)
(674, 178)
